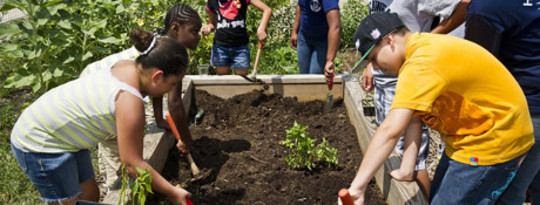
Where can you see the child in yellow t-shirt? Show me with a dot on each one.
(458, 89)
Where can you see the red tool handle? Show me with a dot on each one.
(260, 45)
(331, 82)
(172, 125)
(345, 197)
(188, 201)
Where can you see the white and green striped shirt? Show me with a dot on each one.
(76, 115)
(107, 62)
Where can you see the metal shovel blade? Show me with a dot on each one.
(329, 101)
(329, 95)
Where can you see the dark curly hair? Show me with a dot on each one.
(167, 54)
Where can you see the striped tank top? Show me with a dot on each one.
(107, 62)
(74, 116)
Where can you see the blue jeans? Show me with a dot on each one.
(458, 183)
(311, 55)
(527, 175)
(233, 57)
(56, 176)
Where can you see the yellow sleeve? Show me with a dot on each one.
(418, 86)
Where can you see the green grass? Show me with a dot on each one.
(16, 187)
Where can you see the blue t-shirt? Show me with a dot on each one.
(313, 24)
(510, 30)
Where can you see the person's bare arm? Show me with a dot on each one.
(379, 149)
(457, 18)
(130, 127)
(334, 36)
(180, 117)
(267, 12)
(296, 26)
(211, 26)
(157, 105)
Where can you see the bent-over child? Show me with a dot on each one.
(52, 137)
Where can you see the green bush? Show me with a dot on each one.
(59, 38)
(352, 13)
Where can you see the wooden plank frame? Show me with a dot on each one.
(305, 88)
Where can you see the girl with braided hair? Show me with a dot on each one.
(182, 23)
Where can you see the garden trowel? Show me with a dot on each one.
(329, 95)
(197, 174)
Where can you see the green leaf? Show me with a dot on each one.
(110, 39)
(8, 29)
(65, 24)
(120, 9)
(42, 21)
(87, 55)
(69, 60)
(58, 72)
(8, 47)
(18, 81)
(7, 7)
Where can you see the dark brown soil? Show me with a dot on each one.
(237, 146)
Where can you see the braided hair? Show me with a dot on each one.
(181, 13)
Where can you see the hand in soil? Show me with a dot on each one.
(357, 197)
(178, 197)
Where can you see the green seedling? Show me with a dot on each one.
(302, 150)
(141, 184)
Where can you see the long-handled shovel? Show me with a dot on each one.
(329, 95)
(197, 174)
(253, 76)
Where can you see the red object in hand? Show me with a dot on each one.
(345, 197)
(188, 201)
(331, 82)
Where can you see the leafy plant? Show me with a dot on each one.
(302, 150)
(57, 39)
(352, 13)
(141, 184)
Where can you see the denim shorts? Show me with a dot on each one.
(233, 57)
(56, 176)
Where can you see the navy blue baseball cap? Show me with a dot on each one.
(372, 29)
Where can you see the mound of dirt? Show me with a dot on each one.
(237, 147)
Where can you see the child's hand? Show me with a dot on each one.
(294, 39)
(179, 196)
(206, 30)
(261, 35)
(367, 79)
(182, 147)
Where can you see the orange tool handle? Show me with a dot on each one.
(172, 125)
(260, 45)
(345, 197)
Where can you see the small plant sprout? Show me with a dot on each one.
(302, 150)
(141, 184)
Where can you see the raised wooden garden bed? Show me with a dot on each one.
(304, 88)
